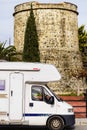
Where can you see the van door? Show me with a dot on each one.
(16, 97)
(37, 109)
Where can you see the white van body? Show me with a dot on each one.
(23, 100)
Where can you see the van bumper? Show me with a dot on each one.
(69, 120)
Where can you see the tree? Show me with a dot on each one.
(31, 48)
(82, 37)
(83, 43)
(8, 53)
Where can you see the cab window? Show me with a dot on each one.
(47, 96)
(37, 93)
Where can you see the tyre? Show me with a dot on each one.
(55, 123)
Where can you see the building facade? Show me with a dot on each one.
(57, 29)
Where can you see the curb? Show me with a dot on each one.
(81, 121)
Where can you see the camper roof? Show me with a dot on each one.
(45, 72)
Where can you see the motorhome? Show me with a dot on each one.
(25, 98)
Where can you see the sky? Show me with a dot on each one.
(7, 19)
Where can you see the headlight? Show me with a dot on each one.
(70, 110)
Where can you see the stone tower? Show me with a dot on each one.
(57, 28)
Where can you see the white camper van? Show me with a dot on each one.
(25, 98)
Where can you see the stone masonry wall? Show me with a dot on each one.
(57, 28)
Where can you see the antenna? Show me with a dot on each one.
(9, 41)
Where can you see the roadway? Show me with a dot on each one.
(78, 127)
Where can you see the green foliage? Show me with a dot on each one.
(83, 43)
(82, 37)
(69, 94)
(31, 49)
(8, 53)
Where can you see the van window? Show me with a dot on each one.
(46, 96)
(37, 93)
(40, 94)
(2, 84)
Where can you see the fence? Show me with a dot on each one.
(79, 104)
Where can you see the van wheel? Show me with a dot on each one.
(55, 123)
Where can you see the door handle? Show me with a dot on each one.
(11, 93)
(31, 104)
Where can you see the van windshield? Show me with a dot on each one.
(58, 98)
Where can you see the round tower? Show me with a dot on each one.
(57, 29)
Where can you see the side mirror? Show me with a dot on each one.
(51, 100)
